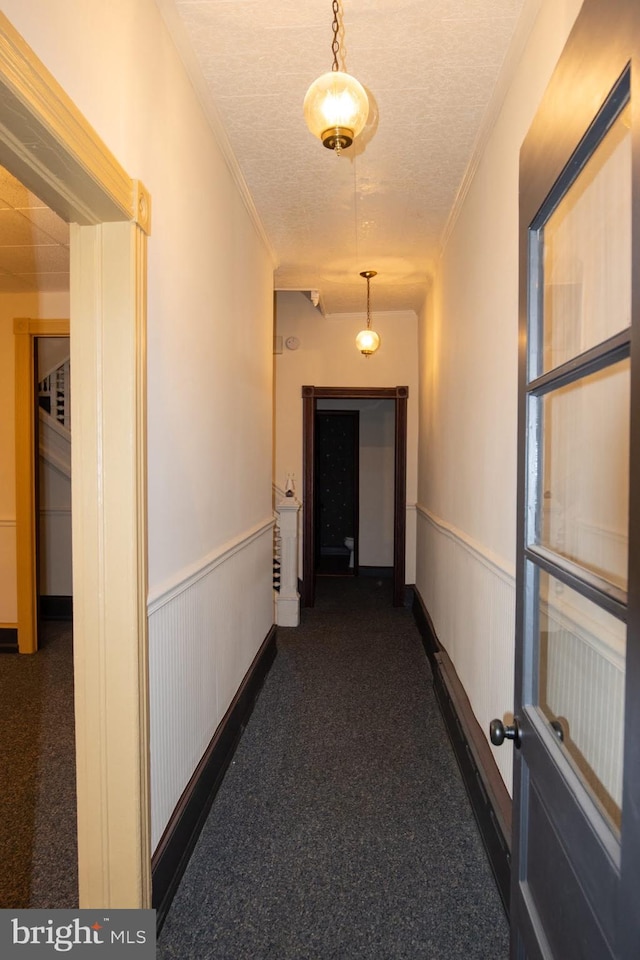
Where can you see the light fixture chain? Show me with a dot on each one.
(368, 304)
(335, 46)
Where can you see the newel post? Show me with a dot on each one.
(288, 600)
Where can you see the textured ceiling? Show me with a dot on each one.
(34, 241)
(430, 68)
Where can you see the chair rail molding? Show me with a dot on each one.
(487, 557)
(169, 589)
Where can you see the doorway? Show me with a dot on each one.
(53, 499)
(50, 147)
(310, 397)
(26, 333)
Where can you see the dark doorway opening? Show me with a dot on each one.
(337, 497)
(310, 396)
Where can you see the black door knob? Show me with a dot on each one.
(558, 729)
(498, 732)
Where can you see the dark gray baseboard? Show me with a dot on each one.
(176, 846)
(385, 573)
(487, 793)
(56, 607)
(8, 639)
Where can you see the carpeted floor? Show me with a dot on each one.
(342, 830)
(38, 849)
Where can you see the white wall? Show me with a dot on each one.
(327, 357)
(209, 341)
(52, 351)
(376, 464)
(56, 572)
(468, 404)
(35, 306)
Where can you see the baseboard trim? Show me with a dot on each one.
(56, 608)
(385, 573)
(485, 787)
(8, 639)
(425, 627)
(176, 845)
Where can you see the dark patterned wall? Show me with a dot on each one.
(336, 474)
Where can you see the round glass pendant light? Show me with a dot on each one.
(336, 106)
(368, 340)
(336, 109)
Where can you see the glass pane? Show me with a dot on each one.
(587, 253)
(585, 472)
(581, 686)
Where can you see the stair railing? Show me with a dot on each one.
(54, 393)
(287, 598)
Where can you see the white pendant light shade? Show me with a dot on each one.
(336, 108)
(367, 342)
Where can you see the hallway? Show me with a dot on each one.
(342, 829)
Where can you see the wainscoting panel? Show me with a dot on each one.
(470, 595)
(204, 632)
(8, 579)
(584, 679)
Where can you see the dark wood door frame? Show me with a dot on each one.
(310, 395)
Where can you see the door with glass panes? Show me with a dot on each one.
(575, 890)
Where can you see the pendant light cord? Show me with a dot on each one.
(335, 46)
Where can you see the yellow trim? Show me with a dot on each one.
(25, 330)
(41, 328)
(46, 142)
(78, 176)
(108, 298)
(8, 626)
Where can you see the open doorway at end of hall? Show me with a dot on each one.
(354, 510)
(354, 476)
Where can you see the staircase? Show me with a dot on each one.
(54, 491)
(54, 401)
(54, 394)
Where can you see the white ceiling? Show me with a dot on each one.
(430, 68)
(34, 241)
(434, 71)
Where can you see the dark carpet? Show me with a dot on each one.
(38, 847)
(342, 830)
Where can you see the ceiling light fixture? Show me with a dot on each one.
(336, 105)
(368, 340)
